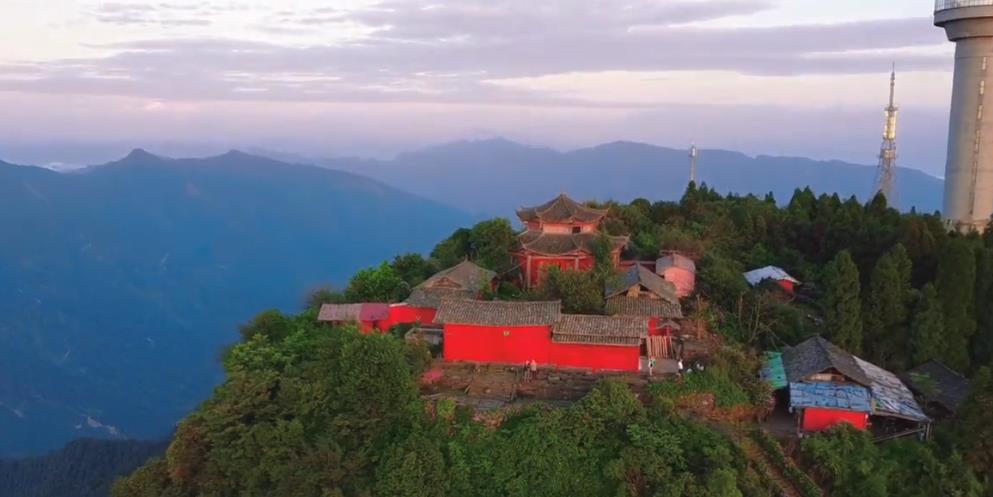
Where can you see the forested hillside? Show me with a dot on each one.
(120, 284)
(310, 410)
(83, 468)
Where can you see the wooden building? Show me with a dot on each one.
(642, 293)
(561, 233)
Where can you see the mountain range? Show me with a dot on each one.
(121, 283)
(493, 177)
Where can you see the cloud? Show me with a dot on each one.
(457, 51)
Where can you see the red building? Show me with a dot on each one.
(464, 281)
(828, 386)
(497, 332)
(561, 233)
(517, 332)
(642, 293)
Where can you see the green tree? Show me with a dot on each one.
(956, 288)
(579, 292)
(928, 328)
(271, 324)
(377, 284)
(454, 249)
(414, 268)
(885, 310)
(842, 305)
(492, 244)
(982, 348)
(973, 423)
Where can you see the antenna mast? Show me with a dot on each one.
(886, 172)
(694, 154)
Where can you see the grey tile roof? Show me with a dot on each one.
(639, 275)
(656, 308)
(600, 330)
(939, 384)
(565, 243)
(890, 397)
(353, 312)
(463, 281)
(817, 355)
(561, 209)
(498, 313)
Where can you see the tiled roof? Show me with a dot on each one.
(939, 384)
(465, 275)
(654, 283)
(768, 273)
(561, 209)
(545, 243)
(830, 396)
(817, 355)
(463, 281)
(353, 312)
(600, 330)
(498, 313)
(431, 297)
(675, 260)
(655, 308)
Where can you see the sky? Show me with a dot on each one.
(85, 80)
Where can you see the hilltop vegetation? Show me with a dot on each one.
(308, 410)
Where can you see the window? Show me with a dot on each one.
(576, 230)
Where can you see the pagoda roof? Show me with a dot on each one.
(545, 243)
(561, 209)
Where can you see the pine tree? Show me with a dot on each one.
(885, 310)
(928, 329)
(957, 289)
(982, 343)
(974, 424)
(842, 302)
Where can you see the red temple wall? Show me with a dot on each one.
(497, 344)
(819, 419)
(596, 357)
(406, 314)
(541, 265)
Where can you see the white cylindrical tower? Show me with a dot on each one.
(969, 171)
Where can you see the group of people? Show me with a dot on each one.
(679, 367)
(530, 370)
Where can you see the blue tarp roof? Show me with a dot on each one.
(773, 372)
(830, 396)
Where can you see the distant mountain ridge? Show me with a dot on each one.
(492, 177)
(120, 283)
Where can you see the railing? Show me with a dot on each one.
(940, 5)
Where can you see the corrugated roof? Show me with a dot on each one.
(353, 312)
(773, 372)
(830, 396)
(600, 330)
(622, 305)
(768, 273)
(652, 282)
(498, 313)
(561, 209)
(939, 384)
(545, 243)
(675, 260)
(890, 397)
(818, 355)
